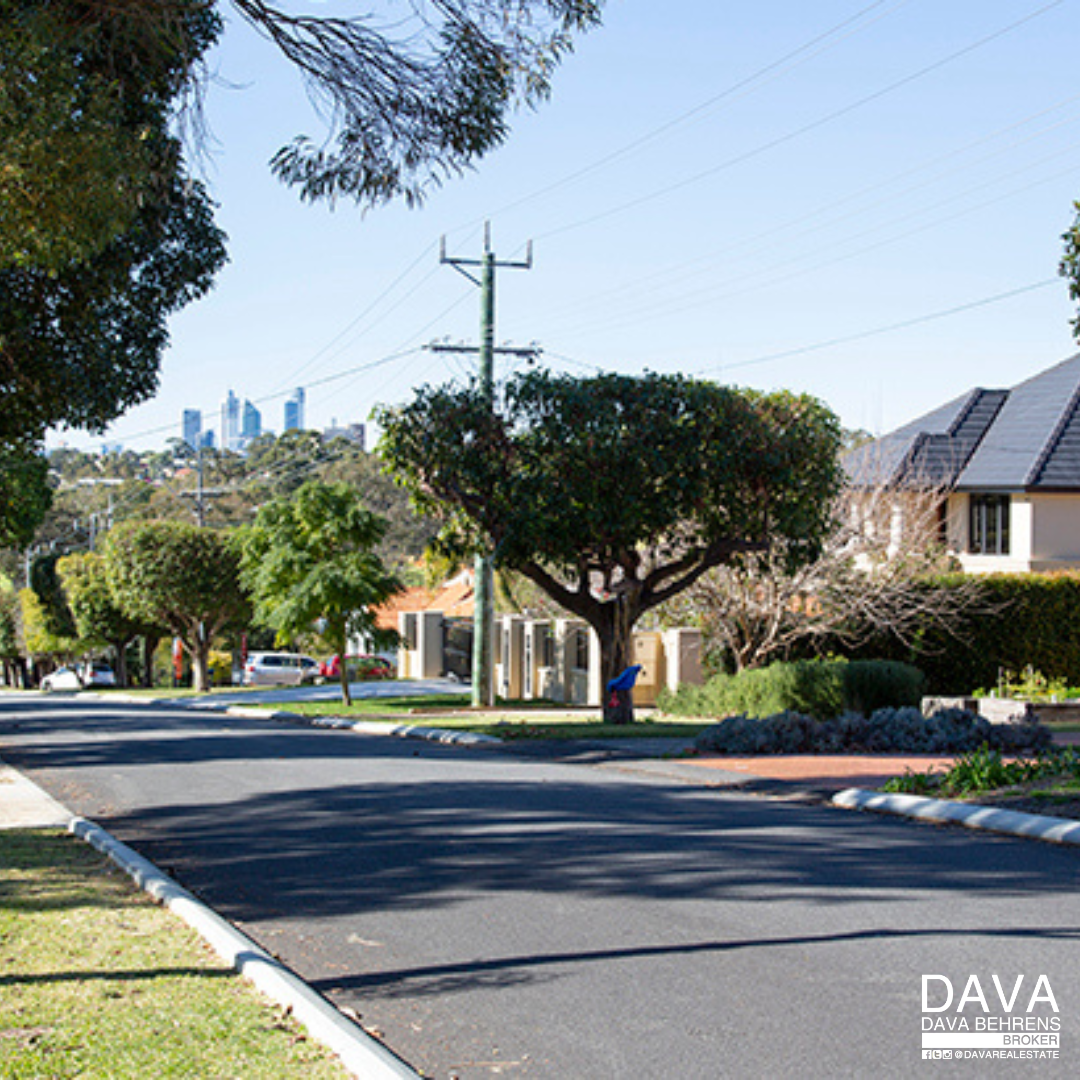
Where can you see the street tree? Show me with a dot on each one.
(98, 618)
(174, 574)
(103, 234)
(310, 559)
(616, 493)
(25, 494)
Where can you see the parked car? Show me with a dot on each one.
(361, 668)
(98, 673)
(279, 669)
(94, 673)
(63, 678)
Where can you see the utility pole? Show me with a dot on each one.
(483, 684)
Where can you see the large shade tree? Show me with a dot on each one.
(174, 574)
(310, 559)
(616, 493)
(102, 233)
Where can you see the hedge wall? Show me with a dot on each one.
(1024, 619)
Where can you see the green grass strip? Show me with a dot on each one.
(100, 982)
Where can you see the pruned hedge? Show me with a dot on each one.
(1023, 619)
(818, 688)
(906, 730)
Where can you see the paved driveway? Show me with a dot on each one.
(500, 915)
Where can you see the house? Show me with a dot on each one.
(1003, 467)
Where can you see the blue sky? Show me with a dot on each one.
(751, 192)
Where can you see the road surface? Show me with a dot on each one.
(491, 915)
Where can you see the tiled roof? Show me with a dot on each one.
(1023, 439)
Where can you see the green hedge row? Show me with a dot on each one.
(1024, 619)
(818, 688)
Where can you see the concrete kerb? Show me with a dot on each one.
(944, 811)
(362, 1055)
(368, 727)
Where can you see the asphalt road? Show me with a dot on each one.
(500, 915)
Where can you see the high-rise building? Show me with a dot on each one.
(192, 428)
(251, 426)
(353, 432)
(230, 422)
(294, 411)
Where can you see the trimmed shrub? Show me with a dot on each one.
(870, 685)
(817, 688)
(906, 730)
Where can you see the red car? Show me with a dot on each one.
(358, 668)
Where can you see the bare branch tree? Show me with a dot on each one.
(870, 577)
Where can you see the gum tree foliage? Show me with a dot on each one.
(413, 92)
(174, 574)
(102, 235)
(310, 558)
(1070, 264)
(616, 493)
(97, 616)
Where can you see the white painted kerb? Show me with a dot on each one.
(991, 818)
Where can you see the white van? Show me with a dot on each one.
(279, 669)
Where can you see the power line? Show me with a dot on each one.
(790, 136)
(903, 325)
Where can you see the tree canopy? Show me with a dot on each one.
(311, 559)
(615, 493)
(174, 574)
(102, 233)
(98, 618)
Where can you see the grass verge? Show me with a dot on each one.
(513, 721)
(1048, 784)
(99, 981)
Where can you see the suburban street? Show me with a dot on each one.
(493, 913)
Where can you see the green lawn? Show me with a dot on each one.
(511, 720)
(100, 982)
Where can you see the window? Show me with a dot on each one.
(989, 526)
(581, 651)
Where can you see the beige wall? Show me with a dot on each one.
(1044, 534)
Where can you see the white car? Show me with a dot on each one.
(94, 673)
(279, 669)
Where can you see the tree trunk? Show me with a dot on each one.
(616, 652)
(120, 647)
(149, 647)
(200, 664)
(343, 675)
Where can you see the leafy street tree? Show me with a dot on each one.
(177, 575)
(97, 616)
(25, 495)
(614, 493)
(311, 558)
(102, 235)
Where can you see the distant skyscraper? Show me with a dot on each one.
(192, 427)
(230, 422)
(251, 428)
(294, 411)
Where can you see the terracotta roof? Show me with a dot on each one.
(454, 599)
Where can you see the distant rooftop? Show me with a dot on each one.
(1023, 439)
